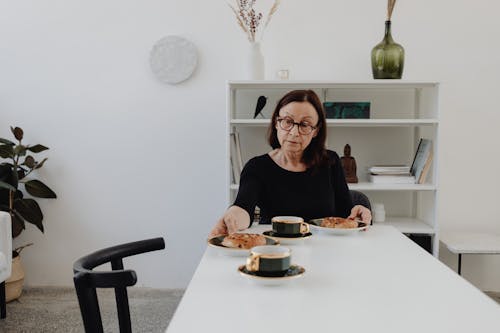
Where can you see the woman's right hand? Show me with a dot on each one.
(219, 229)
(233, 220)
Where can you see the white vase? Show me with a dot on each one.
(255, 63)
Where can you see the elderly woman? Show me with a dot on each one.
(298, 177)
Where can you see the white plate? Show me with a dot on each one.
(294, 272)
(287, 240)
(215, 243)
(315, 226)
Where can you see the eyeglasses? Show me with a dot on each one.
(287, 124)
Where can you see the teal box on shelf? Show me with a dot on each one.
(347, 110)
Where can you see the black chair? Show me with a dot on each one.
(359, 198)
(86, 281)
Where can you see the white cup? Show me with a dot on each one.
(283, 74)
(378, 211)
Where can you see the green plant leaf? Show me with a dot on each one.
(18, 132)
(38, 189)
(29, 161)
(7, 142)
(9, 176)
(5, 170)
(4, 204)
(39, 165)
(30, 211)
(7, 186)
(37, 148)
(21, 173)
(17, 224)
(18, 195)
(6, 151)
(20, 150)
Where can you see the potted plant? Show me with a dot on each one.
(15, 171)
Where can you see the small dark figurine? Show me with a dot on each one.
(261, 102)
(349, 165)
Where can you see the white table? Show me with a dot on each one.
(374, 281)
(470, 243)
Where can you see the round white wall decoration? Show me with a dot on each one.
(173, 59)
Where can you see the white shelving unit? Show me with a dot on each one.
(401, 113)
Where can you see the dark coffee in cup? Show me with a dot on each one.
(289, 225)
(269, 260)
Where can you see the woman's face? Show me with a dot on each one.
(294, 140)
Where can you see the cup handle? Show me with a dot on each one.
(304, 228)
(253, 262)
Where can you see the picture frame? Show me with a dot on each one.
(422, 161)
(347, 110)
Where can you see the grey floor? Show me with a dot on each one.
(56, 310)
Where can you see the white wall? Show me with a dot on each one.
(133, 158)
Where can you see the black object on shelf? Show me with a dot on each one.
(261, 102)
(425, 241)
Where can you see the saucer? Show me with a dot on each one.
(316, 226)
(216, 241)
(294, 272)
(287, 239)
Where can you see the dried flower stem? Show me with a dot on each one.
(390, 7)
(273, 10)
(238, 18)
(248, 19)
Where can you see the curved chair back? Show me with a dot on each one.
(86, 281)
(5, 257)
(359, 198)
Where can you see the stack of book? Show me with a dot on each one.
(402, 174)
(235, 158)
(391, 174)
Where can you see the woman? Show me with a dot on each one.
(298, 177)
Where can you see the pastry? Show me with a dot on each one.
(339, 223)
(243, 241)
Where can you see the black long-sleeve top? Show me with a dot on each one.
(308, 194)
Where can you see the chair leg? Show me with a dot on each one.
(123, 310)
(89, 307)
(122, 306)
(3, 306)
(460, 264)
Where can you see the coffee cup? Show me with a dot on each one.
(269, 260)
(289, 225)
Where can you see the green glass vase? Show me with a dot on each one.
(388, 57)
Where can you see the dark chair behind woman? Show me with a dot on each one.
(86, 281)
(359, 198)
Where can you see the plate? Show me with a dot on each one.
(294, 272)
(215, 243)
(316, 225)
(173, 59)
(285, 239)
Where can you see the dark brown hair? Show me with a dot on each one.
(315, 154)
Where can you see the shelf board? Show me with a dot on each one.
(408, 225)
(367, 186)
(348, 122)
(380, 187)
(371, 84)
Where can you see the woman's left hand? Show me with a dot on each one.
(362, 213)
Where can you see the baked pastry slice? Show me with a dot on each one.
(339, 223)
(243, 241)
